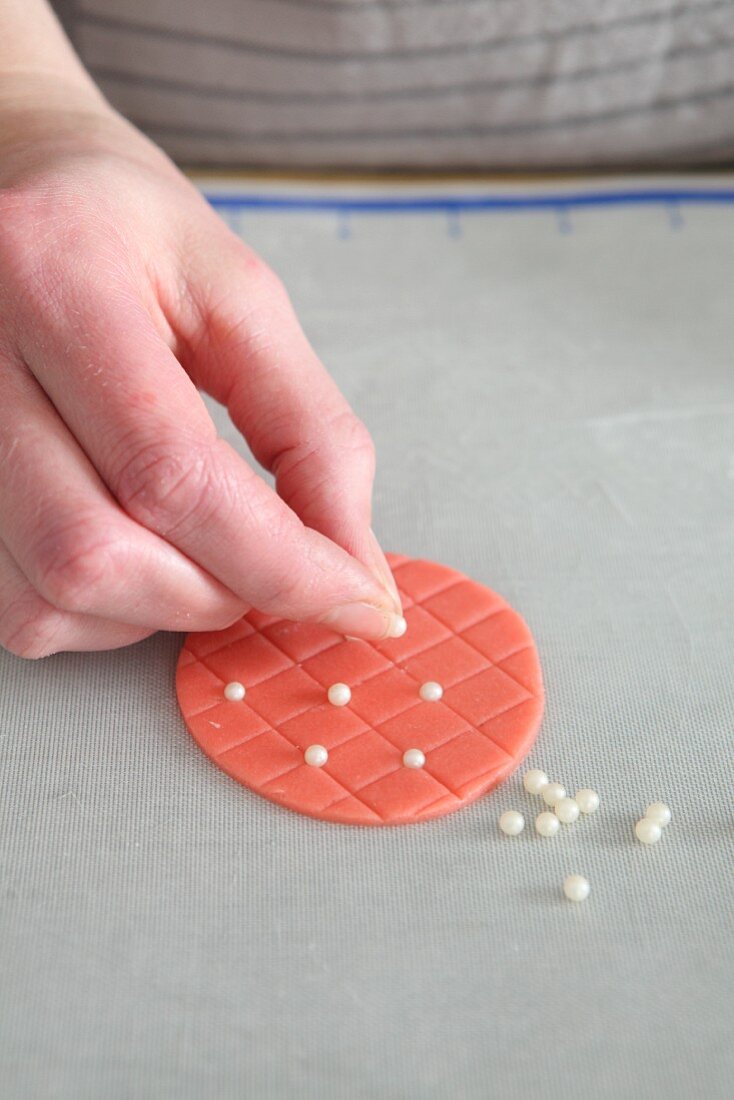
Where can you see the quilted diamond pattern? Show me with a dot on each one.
(459, 633)
(350, 663)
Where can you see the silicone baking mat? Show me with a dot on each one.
(547, 373)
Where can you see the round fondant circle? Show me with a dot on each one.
(460, 634)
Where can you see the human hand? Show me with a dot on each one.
(121, 511)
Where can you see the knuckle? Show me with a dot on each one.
(29, 628)
(75, 563)
(342, 456)
(166, 488)
(340, 435)
(357, 438)
(349, 437)
(245, 315)
(262, 281)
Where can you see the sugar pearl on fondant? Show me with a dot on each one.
(430, 692)
(413, 758)
(339, 694)
(397, 627)
(234, 692)
(316, 756)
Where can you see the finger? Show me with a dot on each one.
(148, 433)
(251, 355)
(72, 540)
(31, 627)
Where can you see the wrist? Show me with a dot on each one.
(36, 106)
(44, 116)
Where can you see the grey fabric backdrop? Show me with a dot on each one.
(427, 83)
(553, 404)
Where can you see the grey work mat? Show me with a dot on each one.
(551, 389)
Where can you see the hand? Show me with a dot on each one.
(121, 511)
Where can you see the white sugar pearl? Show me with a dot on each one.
(413, 758)
(588, 800)
(430, 692)
(339, 694)
(316, 756)
(512, 822)
(234, 692)
(552, 793)
(649, 832)
(534, 781)
(659, 813)
(567, 810)
(576, 887)
(547, 824)
(398, 628)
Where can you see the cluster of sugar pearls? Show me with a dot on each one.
(548, 823)
(575, 887)
(554, 795)
(563, 809)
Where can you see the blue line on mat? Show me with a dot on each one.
(443, 204)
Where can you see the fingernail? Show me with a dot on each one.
(382, 571)
(361, 620)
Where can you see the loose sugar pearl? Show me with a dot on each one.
(413, 758)
(234, 692)
(534, 781)
(587, 800)
(316, 756)
(648, 831)
(567, 810)
(552, 793)
(398, 627)
(339, 694)
(512, 822)
(547, 824)
(659, 813)
(576, 887)
(430, 692)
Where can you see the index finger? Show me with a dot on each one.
(248, 350)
